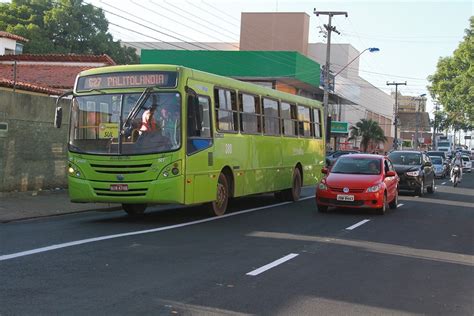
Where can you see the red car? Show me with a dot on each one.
(359, 181)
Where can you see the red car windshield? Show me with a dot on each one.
(350, 165)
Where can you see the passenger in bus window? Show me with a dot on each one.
(169, 124)
(148, 120)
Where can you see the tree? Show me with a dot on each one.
(453, 82)
(370, 132)
(64, 26)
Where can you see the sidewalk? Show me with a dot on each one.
(25, 205)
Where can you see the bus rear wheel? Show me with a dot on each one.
(134, 210)
(293, 194)
(219, 206)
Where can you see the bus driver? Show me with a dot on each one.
(148, 120)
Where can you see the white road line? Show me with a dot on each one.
(400, 205)
(140, 232)
(272, 264)
(443, 183)
(358, 224)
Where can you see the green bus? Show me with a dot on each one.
(210, 138)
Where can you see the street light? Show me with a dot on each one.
(370, 49)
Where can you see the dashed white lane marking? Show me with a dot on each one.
(358, 224)
(443, 183)
(400, 205)
(140, 232)
(272, 264)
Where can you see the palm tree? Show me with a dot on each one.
(370, 132)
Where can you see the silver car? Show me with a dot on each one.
(439, 166)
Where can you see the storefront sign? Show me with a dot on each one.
(339, 127)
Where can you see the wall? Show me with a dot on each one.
(6, 43)
(32, 152)
(341, 55)
(277, 31)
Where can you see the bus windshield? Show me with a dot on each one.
(116, 124)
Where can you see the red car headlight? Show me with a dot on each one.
(374, 188)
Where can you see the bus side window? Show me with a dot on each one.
(199, 124)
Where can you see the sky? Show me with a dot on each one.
(411, 35)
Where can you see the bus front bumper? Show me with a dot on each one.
(169, 190)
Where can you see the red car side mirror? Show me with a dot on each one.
(390, 174)
(324, 170)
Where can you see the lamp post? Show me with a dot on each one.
(370, 49)
(417, 123)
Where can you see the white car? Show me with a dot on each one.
(466, 163)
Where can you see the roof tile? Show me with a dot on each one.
(28, 87)
(61, 58)
(13, 36)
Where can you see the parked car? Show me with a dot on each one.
(439, 166)
(359, 181)
(415, 171)
(332, 157)
(466, 163)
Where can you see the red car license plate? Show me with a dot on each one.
(119, 187)
(344, 197)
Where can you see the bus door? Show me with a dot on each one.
(201, 178)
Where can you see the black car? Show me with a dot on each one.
(415, 170)
(332, 157)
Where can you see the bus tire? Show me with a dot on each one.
(293, 194)
(219, 206)
(134, 210)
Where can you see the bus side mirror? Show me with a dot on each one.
(324, 170)
(58, 114)
(58, 117)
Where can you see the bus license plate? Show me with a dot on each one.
(344, 197)
(119, 187)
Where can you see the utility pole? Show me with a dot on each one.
(396, 84)
(329, 28)
(419, 99)
(433, 142)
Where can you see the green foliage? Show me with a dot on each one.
(63, 26)
(453, 83)
(370, 132)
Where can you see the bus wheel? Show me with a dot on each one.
(134, 210)
(293, 194)
(219, 206)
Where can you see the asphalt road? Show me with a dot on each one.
(418, 259)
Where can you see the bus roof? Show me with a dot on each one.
(220, 81)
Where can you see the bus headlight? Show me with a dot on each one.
(171, 170)
(74, 171)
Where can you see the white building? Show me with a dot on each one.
(11, 44)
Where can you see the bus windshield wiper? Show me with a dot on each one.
(136, 107)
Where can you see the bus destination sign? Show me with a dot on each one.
(117, 80)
